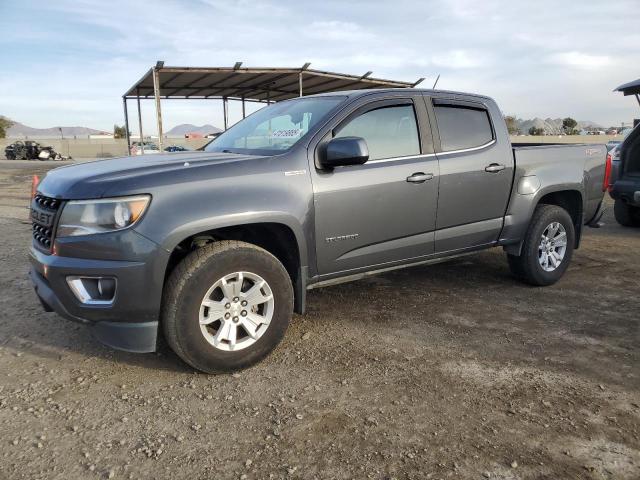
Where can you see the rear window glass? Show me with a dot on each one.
(462, 127)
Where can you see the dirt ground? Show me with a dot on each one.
(448, 371)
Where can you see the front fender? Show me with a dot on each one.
(194, 227)
(178, 211)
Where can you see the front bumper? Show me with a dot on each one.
(130, 323)
(132, 337)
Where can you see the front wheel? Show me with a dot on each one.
(226, 306)
(547, 249)
(626, 215)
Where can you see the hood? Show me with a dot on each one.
(117, 176)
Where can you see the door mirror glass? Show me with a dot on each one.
(344, 151)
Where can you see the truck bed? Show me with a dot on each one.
(564, 164)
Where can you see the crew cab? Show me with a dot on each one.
(217, 249)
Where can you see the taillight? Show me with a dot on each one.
(35, 180)
(606, 183)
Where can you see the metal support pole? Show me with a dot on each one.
(638, 98)
(156, 94)
(140, 123)
(270, 131)
(300, 82)
(243, 110)
(225, 112)
(126, 124)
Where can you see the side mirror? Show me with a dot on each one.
(344, 151)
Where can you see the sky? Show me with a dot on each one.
(68, 62)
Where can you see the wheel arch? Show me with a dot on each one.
(569, 198)
(572, 201)
(278, 238)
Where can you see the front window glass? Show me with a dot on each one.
(275, 128)
(388, 131)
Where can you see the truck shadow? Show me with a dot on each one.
(587, 322)
(55, 337)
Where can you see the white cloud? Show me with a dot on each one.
(338, 30)
(531, 57)
(460, 59)
(580, 60)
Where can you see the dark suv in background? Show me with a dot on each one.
(623, 170)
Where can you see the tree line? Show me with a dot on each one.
(5, 124)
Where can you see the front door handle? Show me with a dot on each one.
(494, 168)
(420, 177)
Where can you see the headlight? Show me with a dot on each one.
(84, 217)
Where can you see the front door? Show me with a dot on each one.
(385, 210)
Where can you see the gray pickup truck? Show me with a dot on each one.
(216, 249)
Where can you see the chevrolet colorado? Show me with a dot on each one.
(216, 249)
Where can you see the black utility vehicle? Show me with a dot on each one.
(623, 170)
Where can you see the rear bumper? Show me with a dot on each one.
(627, 190)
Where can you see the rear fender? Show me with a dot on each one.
(521, 210)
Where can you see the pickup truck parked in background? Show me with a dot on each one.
(216, 249)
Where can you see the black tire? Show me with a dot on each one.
(187, 286)
(20, 153)
(526, 267)
(626, 215)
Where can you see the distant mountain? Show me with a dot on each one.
(19, 130)
(183, 129)
(551, 126)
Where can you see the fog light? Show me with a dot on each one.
(93, 290)
(107, 288)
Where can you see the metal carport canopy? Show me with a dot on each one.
(631, 88)
(253, 84)
(244, 84)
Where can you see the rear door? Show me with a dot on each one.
(385, 210)
(476, 173)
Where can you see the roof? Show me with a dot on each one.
(631, 88)
(253, 84)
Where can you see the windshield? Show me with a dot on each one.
(276, 128)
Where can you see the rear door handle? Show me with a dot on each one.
(420, 177)
(494, 168)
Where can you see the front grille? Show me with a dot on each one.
(44, 211)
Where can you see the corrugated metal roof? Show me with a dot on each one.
(253, 84)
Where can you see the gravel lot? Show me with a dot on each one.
(448, 371)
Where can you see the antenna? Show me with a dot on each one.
(435, 83)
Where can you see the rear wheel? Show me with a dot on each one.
(547, 249)
(626, 215)
(226, 306)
